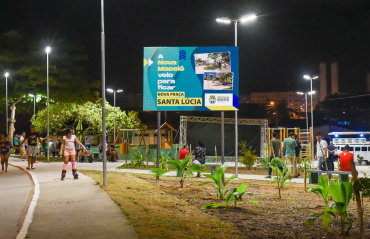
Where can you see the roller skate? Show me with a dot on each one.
(74, 172)
(63, 174)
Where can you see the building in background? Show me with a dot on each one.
(291, 98)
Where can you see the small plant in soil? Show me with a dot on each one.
(341, 194)
(182, 166)
(281, 175)
(163, 159)
(322, 189)
(234, 194)
(360, 159)
(217, 178)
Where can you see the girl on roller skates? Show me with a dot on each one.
(68, 144)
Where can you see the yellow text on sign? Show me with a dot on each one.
(179, 102)
(170, 94)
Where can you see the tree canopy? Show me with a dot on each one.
(26, 62)
(68, 115)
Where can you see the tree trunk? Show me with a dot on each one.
(360, 214)
(12, 120)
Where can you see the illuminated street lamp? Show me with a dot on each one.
(305, 97)
(47, 51)
(34, 102)
(6, 102)
(225, 20)
(308, 77)
(114, 120)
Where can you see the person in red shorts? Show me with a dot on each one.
(183, 152)
(346, 161)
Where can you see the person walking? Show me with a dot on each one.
(68, 144)
(289, 145)
(32, 138)
(297, 153)
(5, 146)
(16, 144)
(275, 151)
(321, 151)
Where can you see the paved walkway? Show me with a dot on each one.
(73, 208)
(16, 190)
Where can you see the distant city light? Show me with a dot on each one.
(336, 135)
(361, 135)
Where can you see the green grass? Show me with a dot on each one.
(210, 67)
(43, 159)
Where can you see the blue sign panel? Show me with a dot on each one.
(191, 78)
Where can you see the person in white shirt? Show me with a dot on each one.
(68, 144)
(321, 150)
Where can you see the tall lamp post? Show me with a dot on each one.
(34, 102)
(104, 129)
(47, 51)
(305, 97)
(6, 103)
(114, 104)
(308, 77)
(225, 20)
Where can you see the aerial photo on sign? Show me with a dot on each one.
(190, 79)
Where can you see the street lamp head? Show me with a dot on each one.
(248, 18)
(223, 20)
(315, 77)
(119, 91)
(31, 95)
(312, 92)
(6, 74)
(272, 103)
(307, 77)
(47, 49)
(300, 93)
(110, 90)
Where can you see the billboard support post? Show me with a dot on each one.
(158, 140)
(223, 142)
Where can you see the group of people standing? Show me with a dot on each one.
(290, 149)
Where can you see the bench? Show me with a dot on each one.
(314, 175)
(213, 167)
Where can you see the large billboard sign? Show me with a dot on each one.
(191, 78)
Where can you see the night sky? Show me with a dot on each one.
(290, 38)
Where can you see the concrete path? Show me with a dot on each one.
(16, 190)
(74, 208)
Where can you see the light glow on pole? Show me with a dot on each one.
(114, 105)
(6, 103)
(47, 51)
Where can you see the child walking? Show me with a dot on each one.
(68, 144)
(5, 146)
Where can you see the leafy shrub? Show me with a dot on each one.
(265, 162)
(163, 159)
(136, 160)
(247, 155)
(360, 159)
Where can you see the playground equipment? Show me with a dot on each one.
(303, 137)
(168, 141)
(127, 138)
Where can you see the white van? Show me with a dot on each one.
(358, 141)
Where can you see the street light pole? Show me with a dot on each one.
(227, 21)
(114, 104)
(307, 77)
(104, 132)
(47, 51)
(6, 103)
